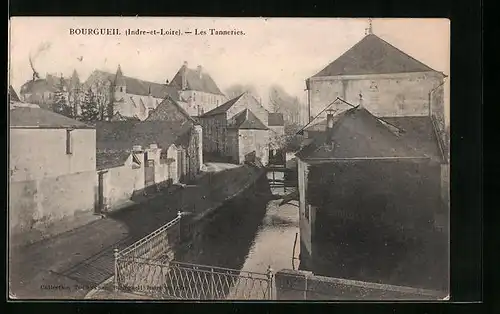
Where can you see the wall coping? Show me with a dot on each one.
(361, 284)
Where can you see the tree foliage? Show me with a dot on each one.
(61, 104)
(89, 107)
(238, 89)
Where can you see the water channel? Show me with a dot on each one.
(251, 232)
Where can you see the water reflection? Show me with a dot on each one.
(250, 233)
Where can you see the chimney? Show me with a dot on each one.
(199, 70)
(360, 99)
(183, 76)
(329, 125)
(137, 148)
(153, 146)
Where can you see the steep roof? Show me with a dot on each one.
(373, 55)
(135, 86)
(222, 108)
(358, 134)
(123, 135)
(119, 117)
(246, 120)
(205, 83)
(275, 119)
(30, 117)
(162, 112)
(12, 94)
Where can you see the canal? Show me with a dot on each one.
(250, 232)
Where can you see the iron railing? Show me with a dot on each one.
(146, 267)
(175, 280)
(155, 244)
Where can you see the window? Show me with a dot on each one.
(136, 161)
(121, 89)
(308, 209)
(69, 142)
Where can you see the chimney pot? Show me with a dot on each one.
(185, 64)
(199, 69)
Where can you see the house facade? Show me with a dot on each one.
(42, 91)
(198, 91)
(247, 138)
(215, 123)
(52, 168)
(368, 196)
(130, 97)
(390, 82)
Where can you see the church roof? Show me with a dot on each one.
(373, 55)
(135, 86)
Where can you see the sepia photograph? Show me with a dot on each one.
(203, 158)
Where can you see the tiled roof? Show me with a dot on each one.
(246, 120)
(106, 159)
(36, 117)
(417, 132)
(222, 108)
(373, 55)
(276, 119)
(205, 83)
(12, 94)
(162, 110)
(123, 135)
(118, 117)
(359, 134)
(136, 86)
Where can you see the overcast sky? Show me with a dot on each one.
(281, 51)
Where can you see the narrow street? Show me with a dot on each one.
(71, 264)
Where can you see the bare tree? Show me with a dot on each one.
(238, 89)
(103, 97)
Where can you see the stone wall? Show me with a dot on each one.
(38, 204)
(214, 133)
(40, 153)
(253, 141)
(300, 285)
(405, 94)
(249, 102)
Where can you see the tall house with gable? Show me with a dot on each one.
(198, 91)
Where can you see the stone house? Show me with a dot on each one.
(52, 168)
(369, 193)
(215, 122)
(42, 91)
(247, 138)
(390, 82)
(132, 97)
(198, 91)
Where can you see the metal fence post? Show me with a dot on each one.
(116, 270)
(270, 282)
(179, 216)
